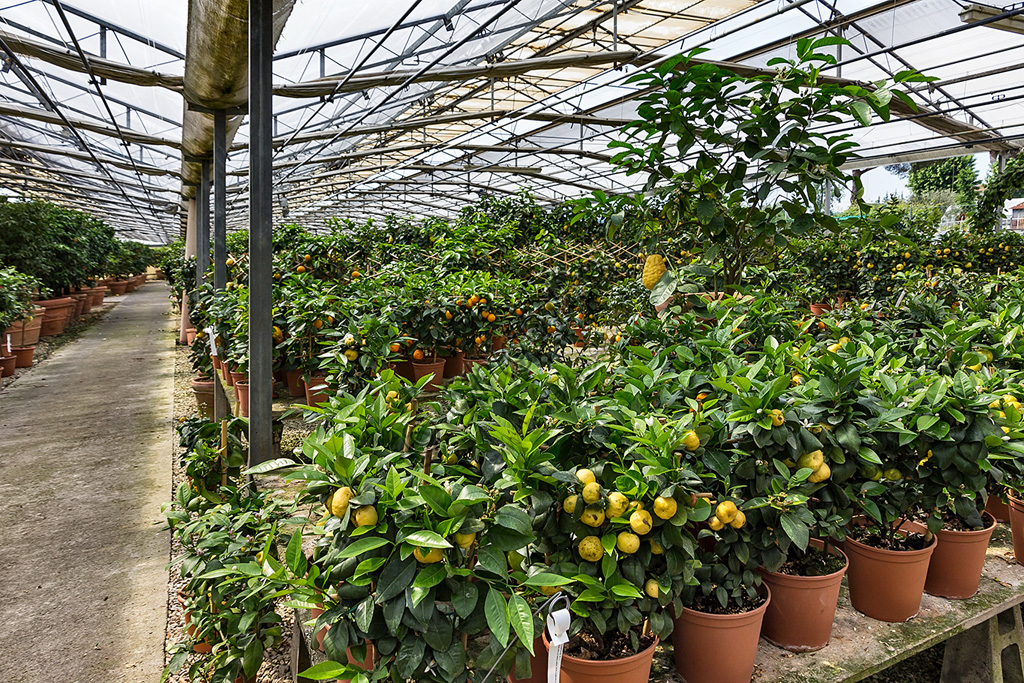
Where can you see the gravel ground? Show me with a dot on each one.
(48, 345)
(277, 662)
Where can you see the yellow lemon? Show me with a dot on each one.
(726, 511)
(585, 476)
(739, 520)
(465, 540)
(893, 474)
(569, 504)
(351, 354)
(811, 461)
(715, 523)
(592, 492)
(691, 441)
(651, 588)
(656, 549)
(654, 268)
(778, 418)
(665, 508)
(617, 504)
(820, 474)
(549, 590)
(365, 516)
(592, 516)
(590, 549)
(641, 522)
(515, 560)
(431, 556)
(337, 503)
(627, 542)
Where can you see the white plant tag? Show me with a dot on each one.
(558, 626)
(9, 352)
(213, 344)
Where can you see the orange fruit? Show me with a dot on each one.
(417, 354)
(551, 329)
(483, 301)
(318, 324)
(301, 269)
(491, 317)
(330, 319)
(307, 258)
(395, 348)
(448, 315)
(519, 311)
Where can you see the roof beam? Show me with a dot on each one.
(20, 112)
(110, 26)
(83, 156)
(975, 12)
(104, 68)
(326, 87)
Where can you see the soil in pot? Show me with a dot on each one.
(805, 591)
(23, 356)
(631, 668)
(886, 579)
(421, 370)
(718, 648)
(7, 364)
(959, 557)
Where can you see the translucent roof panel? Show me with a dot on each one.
(417, 106)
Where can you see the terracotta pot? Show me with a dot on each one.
(955, 568)
(579, 336)
(237, 377)
(242, 393)
(470, 363)
(1017, 527)
(117, 287)
(293, 378)
(498, 342)
(453, 365)
(217, 363)
(316, 390)
(997, 508)
(799, 617)
(717, 648)
(403, 368)
(7, 364)
(79, 307)
(634, 669)
(203, 647)
(225, 374)
(204, 388)
(86, 301)
(25, 332)
(421, 370)
(820, 309)
(886, 584)
(538, 665)
(365, 665)
(55, 319)
(23, 356)
(96, 295)
(190, 335)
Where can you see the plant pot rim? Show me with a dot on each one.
(904, 556)
(956, 535)
(726, 620)
(430, 364)
(797, 579)
(50, 303)
(622, 660)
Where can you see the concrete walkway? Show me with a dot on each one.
(85, 448)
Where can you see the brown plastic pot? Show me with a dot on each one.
(293, 378)
(403, 368)
(55, 319)
(470, 363)
(887, 584)
(204, 388)
(717, 648)
(25, 332)
(997, 508)
(498, 342)
(538, 665)
(820, 309)
(955, 568)
(421, 370)
(237, 377)
(225, 374)
(201, 647)
(316, 390)
(23, 356)
(7, 365)
(1017, 527)
(453, 366)
(190, 335)
(216, 361)
(242, 393)
(799, 617)
(633, 669)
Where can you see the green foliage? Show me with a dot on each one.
(956, 175)
(16, 293)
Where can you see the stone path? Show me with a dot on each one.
(85, 446)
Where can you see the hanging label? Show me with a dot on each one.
(558, 627)
(9, 352)
(213, 344)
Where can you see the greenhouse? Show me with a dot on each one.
(511, 340)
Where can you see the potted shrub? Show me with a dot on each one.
(19, 319)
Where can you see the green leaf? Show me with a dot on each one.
(547, 579)
(427, 539)
(496, 611)
(465, 598)
(269, 466)
(363, 545)
(430, 576)
(663, 289)
(522, 620)
(862, 112)
(514, 518)
(327, 671)
(395, 578)
(364, 613)
(795, 529)
(626, 590)
(294, 556)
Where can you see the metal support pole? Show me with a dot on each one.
(221, 406)
(261, 206)
(203, 224)
(190, 251)
(103, 48)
